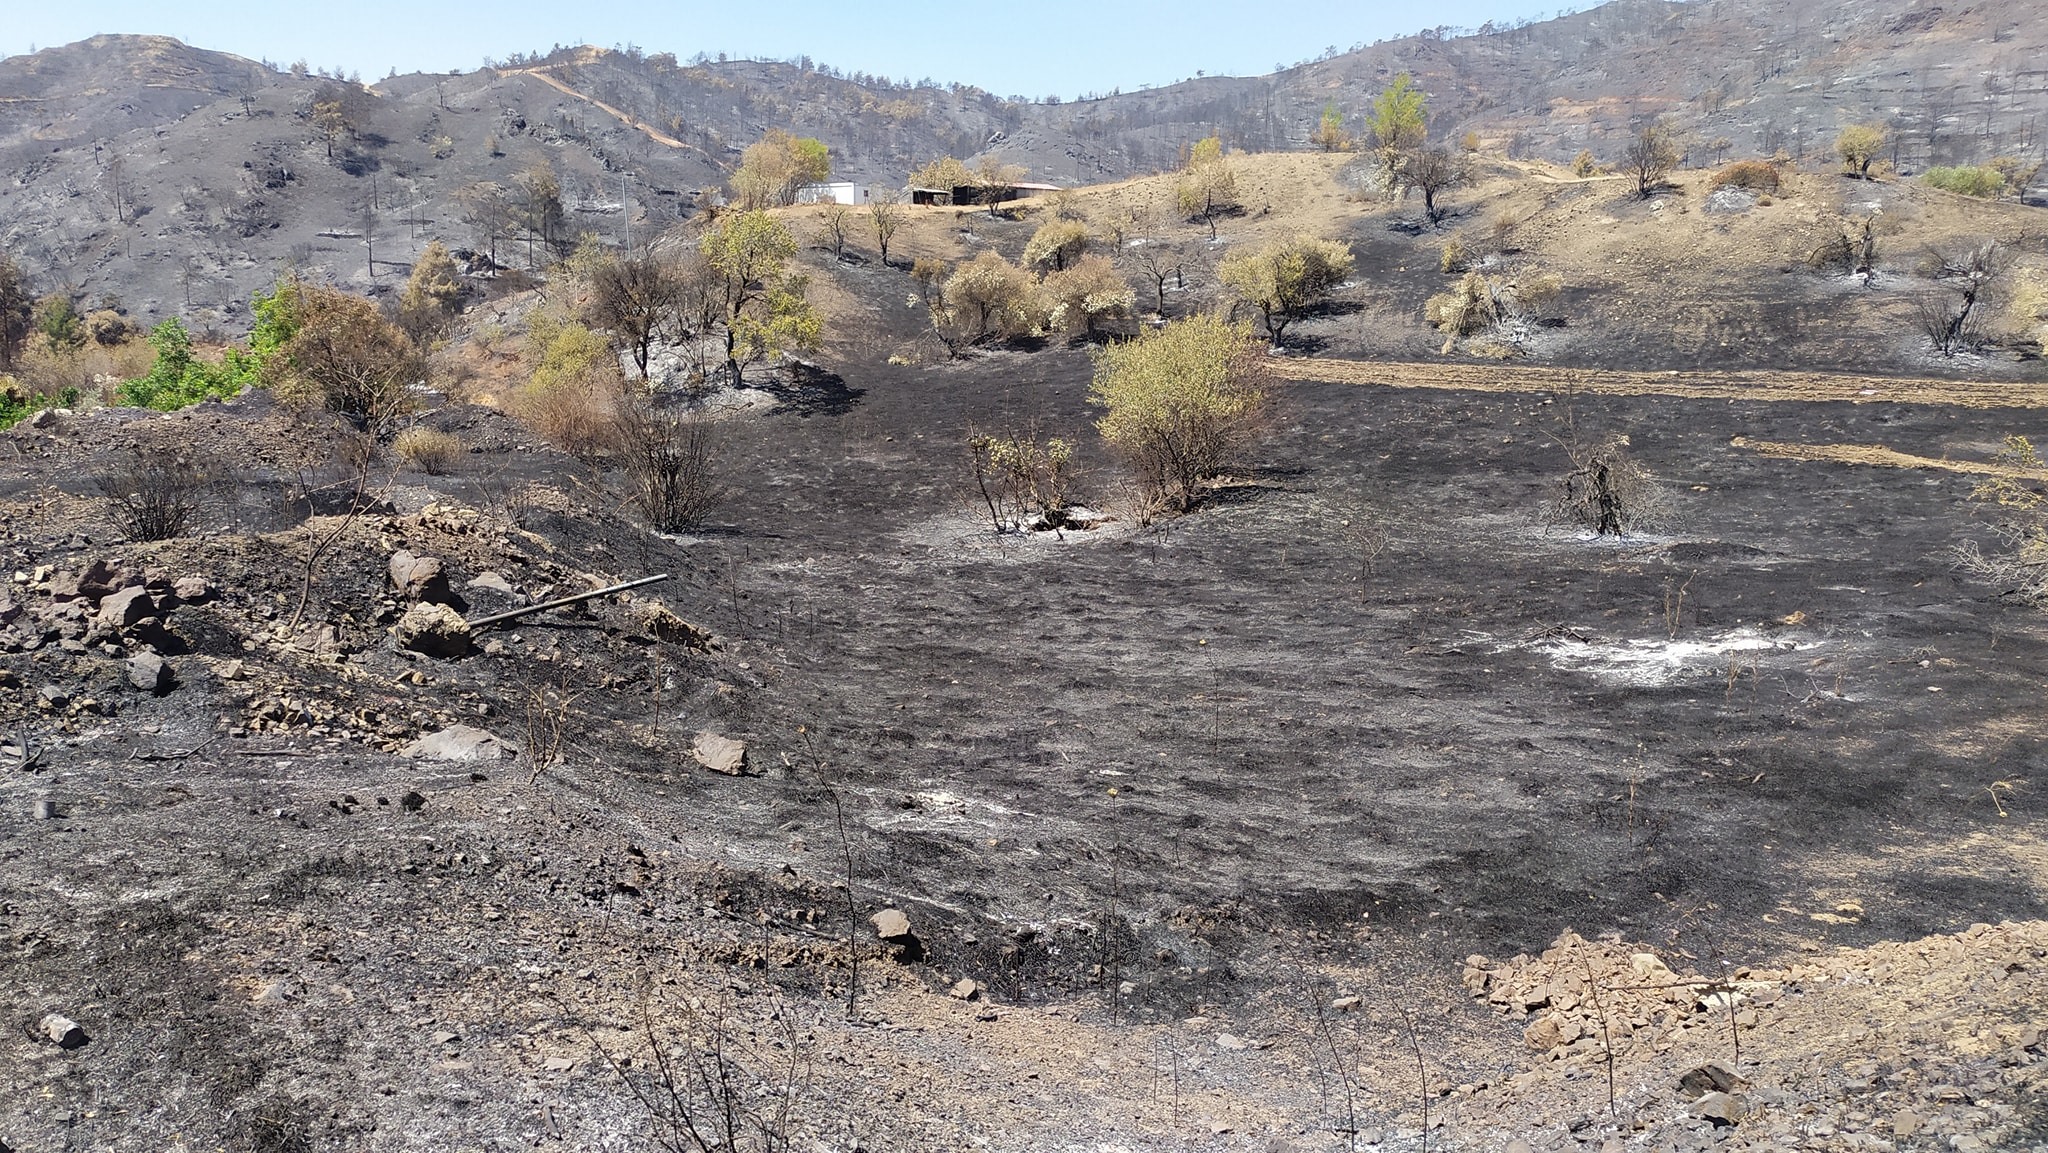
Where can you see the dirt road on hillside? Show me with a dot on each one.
(1750, 385)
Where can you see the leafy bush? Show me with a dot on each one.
(1979, 180)
(1180, 403)
(179, 378)
(1755, 175)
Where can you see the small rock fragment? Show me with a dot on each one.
(720, 754)
(965, 989)
(459, 743)
(412, 802)
(1721, 1109)
(891, 924)
(491, 582)
(1346, 1004)
(150, 673)
(64, 1031)
(433, 630)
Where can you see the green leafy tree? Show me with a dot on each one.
(986, 297)
(1330, 134)
(17, 311)
(58, 320)
(1859, 145)
(761, 309)
(432, 295)
(178, 378)
(1208, 184)
(1084, 294)
(1180, 403)
(774, 168)
(1286, 277)
(1058, 243)
(945, 172)
(343, 356)
(1399, 122)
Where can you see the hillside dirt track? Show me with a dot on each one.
(1745, 385)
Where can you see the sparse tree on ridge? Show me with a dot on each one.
(1330, 134)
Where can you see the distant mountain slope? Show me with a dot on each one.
(181, 179)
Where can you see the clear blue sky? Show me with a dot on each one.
(1049, 47)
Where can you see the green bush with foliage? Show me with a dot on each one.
(179, 378)
(1979, 180)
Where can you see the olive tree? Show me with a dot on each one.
(1181, 403)
(1284, 278)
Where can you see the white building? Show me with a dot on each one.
(837, 192)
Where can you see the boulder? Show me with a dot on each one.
(1712, 1077)
(459, 743)
(420, 578)
(150, 673)
(120, 610)
(433, 630)
(720, 754)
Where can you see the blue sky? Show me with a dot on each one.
(1051, 47)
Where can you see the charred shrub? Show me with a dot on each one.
(154, 490)
(673, 465)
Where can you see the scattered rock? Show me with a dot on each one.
(460, 743)
(120, 610)
(1544, 1034)
(558, 1064)
(1720, 1109)
(420, 578)
(412, 802)
(965, 989)
(490, 582)
(192, 590)
(1229, 1041)
(720, 754)
(150, 673)
(433, 630)
(1346, 1004)
(1712, 1077)
(63, 1031)
(46, 810)
(891, 925)
(54, 696)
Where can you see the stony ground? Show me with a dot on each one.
(1195, 828)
